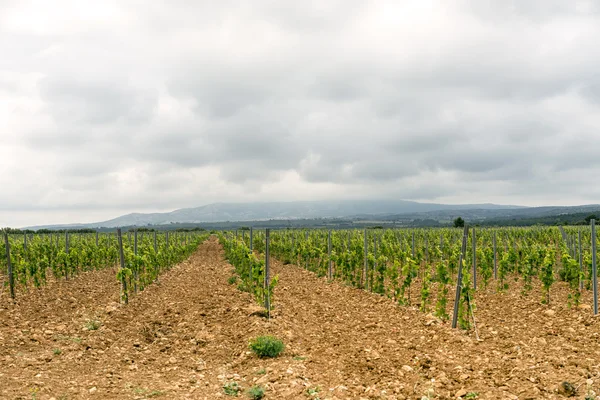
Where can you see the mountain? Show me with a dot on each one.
(220, 212)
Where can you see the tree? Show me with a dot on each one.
(590, 217)
(459, 222)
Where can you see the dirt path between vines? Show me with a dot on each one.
(187, 336)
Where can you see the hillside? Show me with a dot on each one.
(221, 212)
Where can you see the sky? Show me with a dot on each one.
(125, 106)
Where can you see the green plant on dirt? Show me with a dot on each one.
(232, 389)
(232, 280)
(251, 271)
(425, 290)
(471, 395)
(92, 324)
(443, 277)
(261, 371)
(409, 270)
(381, 267)
(487, 261)
(266, 346)
(547, 274)
(571, 274)
(465, 303)
(392, 273)
(313, 391)
(256, 392)
(503, 266)
(56, 352)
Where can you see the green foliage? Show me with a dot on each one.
(231, 389)
(443, 277)
(459, 222)
(92, 324)
(503, 269)
(547, 274)
(256, 392)
(466, 301)
(425, 290)
(266, 346)
(35, 256)
(409, 271)
(571, 274)
(251, 271)
(232, 280)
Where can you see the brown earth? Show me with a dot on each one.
(186, 336)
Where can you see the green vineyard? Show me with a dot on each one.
(420, 267)
(29, 261)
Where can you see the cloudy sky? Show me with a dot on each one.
(119, 106)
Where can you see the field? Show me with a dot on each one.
(359, 335)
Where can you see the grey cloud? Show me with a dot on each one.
(188, 102)
(96, 102)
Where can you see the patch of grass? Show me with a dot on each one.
(147, 393)
(73, 339)
(266, 346)
(256, 392)
(471, 395)
(231, 389)
(261, 371)
(299, 358)
(57, 352)
(92, 324)
(232, 280)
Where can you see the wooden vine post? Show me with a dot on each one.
(459, 280)
(329, 268)
(124, 294)
(11, 278)
(67, 258)
(594, 268)
(366, 251)
(267, 277)
(474, 260)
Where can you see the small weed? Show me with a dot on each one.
(256, 393)
(231, 389)
(313, 391)
(92, 324)
(472, 395)
(232, 280)
(299, 358)
(261, 371)
(266, 346)
(56, 352)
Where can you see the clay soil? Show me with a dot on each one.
(187, 336)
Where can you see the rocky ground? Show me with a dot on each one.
(187, 337)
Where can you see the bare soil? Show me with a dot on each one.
(187, 336)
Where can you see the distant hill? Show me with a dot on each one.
(222, 212)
